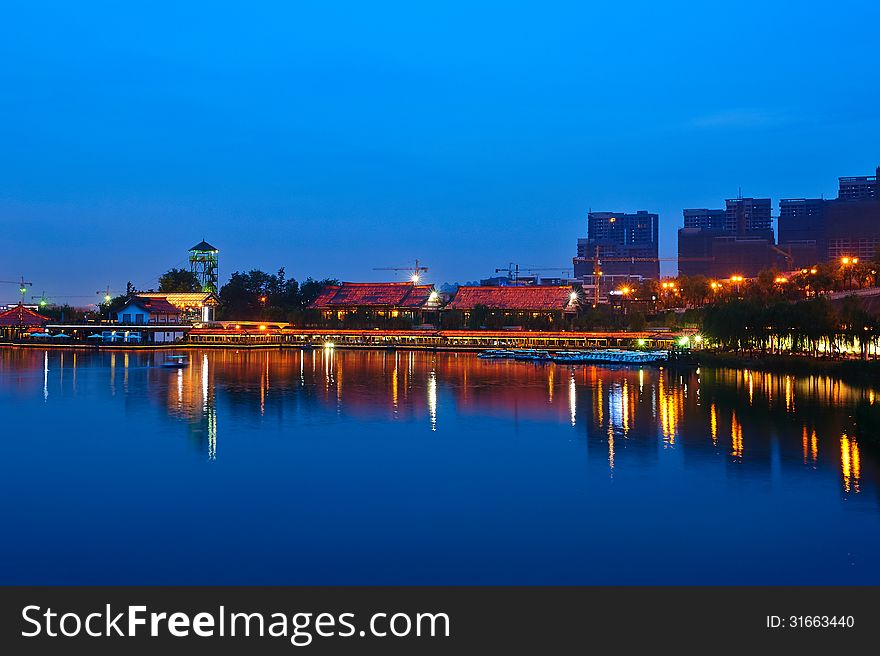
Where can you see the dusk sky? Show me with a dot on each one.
(332, 138)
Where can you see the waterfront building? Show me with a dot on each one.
(153, 313)
(194, 307)
(514, 305)
(405, 301)
(139, 311)
(19, 320)
(625, 245)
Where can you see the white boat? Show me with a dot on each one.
(495, 354)
(176, 361)
(531, 354)
(609, 356)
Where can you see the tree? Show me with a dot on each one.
(310, 289)
(240, 297)
(179, 280)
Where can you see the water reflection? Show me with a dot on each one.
(740, 416)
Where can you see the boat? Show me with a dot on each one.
(567, 357)
(531, 354)
(495, 354)
(609, 356)
(176, 361)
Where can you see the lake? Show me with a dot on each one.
(373, 467)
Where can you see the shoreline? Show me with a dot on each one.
(857, 370)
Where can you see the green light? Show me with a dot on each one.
(641, 342)
(107, 298)
(684, 341)
(43, 302)
(23, 290)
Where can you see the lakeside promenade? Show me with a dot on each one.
(268, 335)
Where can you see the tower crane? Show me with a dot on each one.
(22, 286)
(48, 300)
(513, 269)
(597, 265)
(414, 271)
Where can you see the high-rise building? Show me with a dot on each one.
(626, 245)
(802, 229)
(748, 216)
(859, 188)
(737, 240)
(704, 219)
(815, 230)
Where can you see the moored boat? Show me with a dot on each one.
(495, 354)
(176, 361)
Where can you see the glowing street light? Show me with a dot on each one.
(415, 277)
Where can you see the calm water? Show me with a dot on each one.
(375, 467)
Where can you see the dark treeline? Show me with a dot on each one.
(258, 295)
(808, 326)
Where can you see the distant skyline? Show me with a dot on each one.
(334, 138)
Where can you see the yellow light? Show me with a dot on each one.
(612, 219)
(781, 279)
(855, 260)
(433, 296)
(573, 297)
(107, 298)
(844, 260)
(641, 342)
(415, 277)
(262, 327)
(625, 290)
(329, 344)
(698, 339)
(813, 271)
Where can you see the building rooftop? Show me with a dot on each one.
(541, 298)
(22, 317)
(184, 300)
(204, 246)
(374, 294)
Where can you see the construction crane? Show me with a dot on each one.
(597, 265)
(414, 271)
(513, 269)
(22, 286)
(47, 300)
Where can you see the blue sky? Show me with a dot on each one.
(332, 138)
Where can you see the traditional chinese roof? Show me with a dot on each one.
(532, 297)
(153, 305)
(374, 294)
(22, 317)
(204, 246)
(184, 300)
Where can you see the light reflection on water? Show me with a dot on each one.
(332, 466)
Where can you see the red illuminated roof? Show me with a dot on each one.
(373, 294)
(532, 297)
(22, 317)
